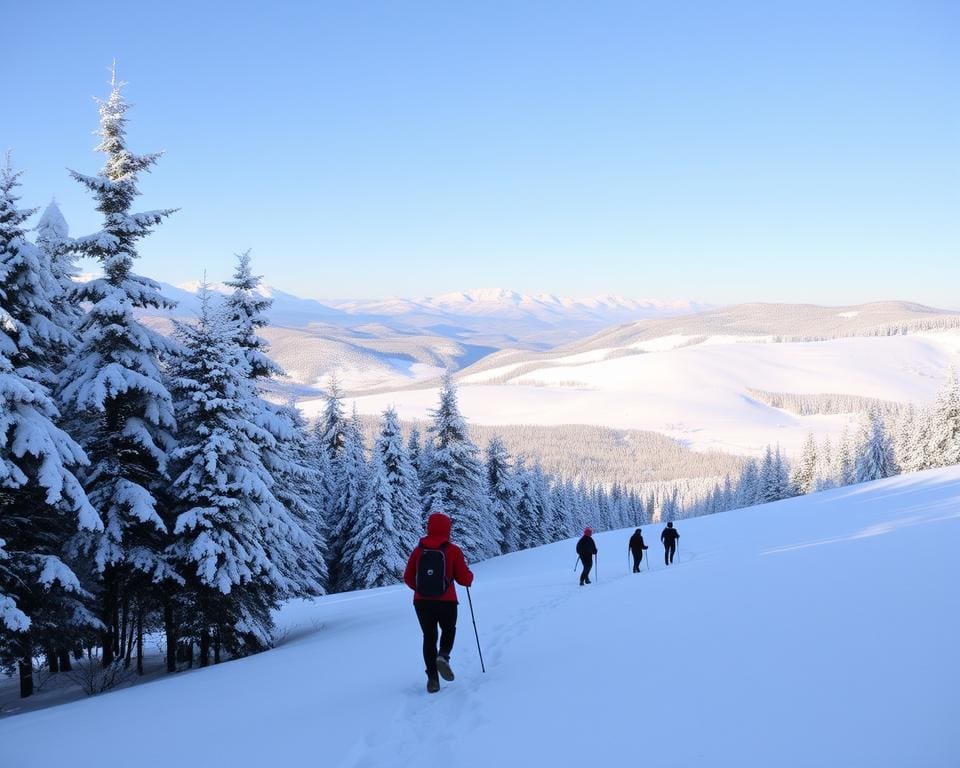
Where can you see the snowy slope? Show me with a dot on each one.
(818, 631)
(696, 391)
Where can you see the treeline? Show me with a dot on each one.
(824, 403)
(889, 441)
(633, 458)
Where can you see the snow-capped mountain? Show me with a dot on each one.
(504, 304)
(396, 342)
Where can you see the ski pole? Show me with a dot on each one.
(575, 563)
(475, 633)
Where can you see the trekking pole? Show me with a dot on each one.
(475, 633)
(597, 574)
(575, 563)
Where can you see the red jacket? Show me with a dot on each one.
(438, 531)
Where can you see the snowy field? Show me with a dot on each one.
(697, 393)
(817, 631)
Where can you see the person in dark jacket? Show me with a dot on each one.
(586, 549)
(669, 538)
(636, 549)
(437, 610)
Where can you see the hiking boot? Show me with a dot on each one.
(443, 667)
(433, 684)
(587, 581)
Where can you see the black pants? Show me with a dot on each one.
(431, 614)
(637, 557)
(668, 551)
(587, 565)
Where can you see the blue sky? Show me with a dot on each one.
(735, 151)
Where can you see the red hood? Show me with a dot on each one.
(438, 529)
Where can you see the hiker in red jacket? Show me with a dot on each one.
(431, 571)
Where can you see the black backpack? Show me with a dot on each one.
(432, 572)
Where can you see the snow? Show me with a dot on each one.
(697, 392)
(814, 631)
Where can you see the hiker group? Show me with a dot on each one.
(437, 565)
(587, 549)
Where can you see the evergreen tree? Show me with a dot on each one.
(875, 458)
(747, 493)
(375, 549)
(119, 405)
(352, 474)
(454, 478)
(944, 432)
(42, 503)
(530, 532)
(402, 482)
(504, 493)
(805, 471)
(843, 461)
(53, 239)
(225, 493)
(332, 427)
(293, 537)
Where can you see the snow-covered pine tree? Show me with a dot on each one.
(352, 473)
(291, 538)
(454, 478)
(843, 460)
(670, 506)
(375, 549)
(747, 493)
(805, 470)
(42, 503)
(944, 432)
(503, 493)
(541, 486)
(824, 475)
(302, 484)
(414, 448)
(530, 532)
(225, 499)
(875, 458)
(561, 511)
(112, 386)
(403, 482)
(246, 310)
(332, 426)
(53, 238)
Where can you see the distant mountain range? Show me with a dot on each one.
(493, 317)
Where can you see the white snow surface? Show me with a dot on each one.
(695, 392)
(817, 631)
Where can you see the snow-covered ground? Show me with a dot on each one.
(818, 631)
(695, 392)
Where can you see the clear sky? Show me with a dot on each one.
(725, 151)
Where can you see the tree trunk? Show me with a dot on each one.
(205, 647)
(122, 633)
(216, 645)
(129, 654)
(139, 639)
(109, 615)
(65, 663)
(26, 674)
(53, 661)
(171, 632)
